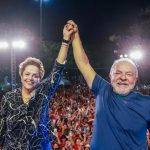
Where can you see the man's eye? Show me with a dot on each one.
(117, 73)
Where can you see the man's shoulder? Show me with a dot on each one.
(141, 98)
(100, 84)
(141, 95)
(100, 80)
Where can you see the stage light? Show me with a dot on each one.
(136, 52)
(13, 46)
(4, 45)
(125, 55)
(121, 56)
(18, 44)
(136, 55)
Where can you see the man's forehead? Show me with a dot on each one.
(124, 64)
(125, 67)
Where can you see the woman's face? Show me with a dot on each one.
(30, 77)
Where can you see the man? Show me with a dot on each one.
(24, 112)
(121, 115)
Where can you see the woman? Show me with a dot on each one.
(24, 112)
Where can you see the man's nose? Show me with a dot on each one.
(123, 76)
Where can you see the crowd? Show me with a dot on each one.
(72, 115)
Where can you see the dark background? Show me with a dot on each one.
(98, 20)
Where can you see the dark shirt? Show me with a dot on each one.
(26, 126)
(120, 121)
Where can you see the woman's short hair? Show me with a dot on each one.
(32, 61)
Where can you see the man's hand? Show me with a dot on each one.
(67, 31)
(74, 27)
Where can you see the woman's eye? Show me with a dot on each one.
(36, 76)
(27, 74)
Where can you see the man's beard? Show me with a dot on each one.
(124, 91)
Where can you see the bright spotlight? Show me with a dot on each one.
(4, 45)
(125, 55)
(121, 56)
(136, 55)
(18, 44)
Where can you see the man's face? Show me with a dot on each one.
(30, 77)
(123, 78)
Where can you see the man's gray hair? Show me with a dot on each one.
(124, 60)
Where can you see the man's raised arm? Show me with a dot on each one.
(80, 56)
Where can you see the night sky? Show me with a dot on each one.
(97, 19)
